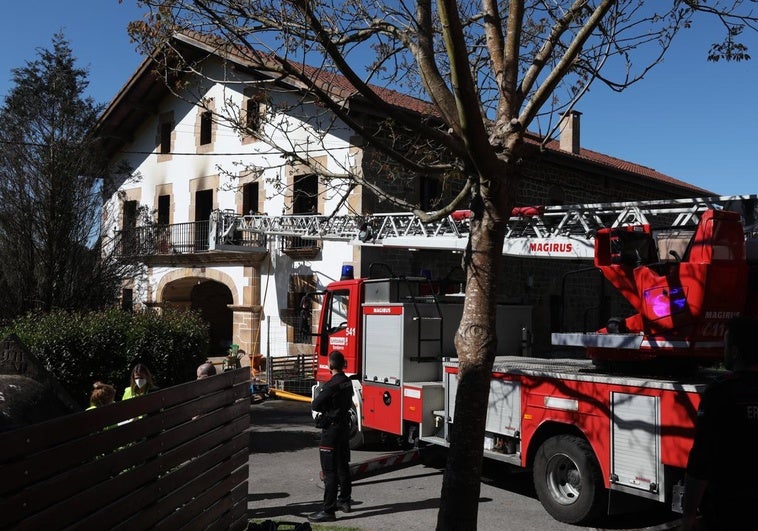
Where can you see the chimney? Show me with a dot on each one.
(570, 132)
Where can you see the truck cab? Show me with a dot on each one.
(339, 326)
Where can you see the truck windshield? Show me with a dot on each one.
(337, 312)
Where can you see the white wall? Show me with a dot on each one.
(231, 155)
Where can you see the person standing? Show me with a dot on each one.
(723, 464)
(141, 382)
(333, 403)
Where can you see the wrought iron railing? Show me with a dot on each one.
(296, 243)
(194, 237)
(151, 240)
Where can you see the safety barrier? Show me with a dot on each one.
(291, 373)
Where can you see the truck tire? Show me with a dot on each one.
(568, 480)
(356, 435)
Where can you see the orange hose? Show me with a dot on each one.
(278, 393)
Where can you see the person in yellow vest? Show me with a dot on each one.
(141, 382)
(102, 395)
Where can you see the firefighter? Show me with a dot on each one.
(333, 403)
(723, 465)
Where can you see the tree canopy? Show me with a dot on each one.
(490, 71)
(51, 178)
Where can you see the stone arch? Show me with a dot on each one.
(189, 274)
(208, 293)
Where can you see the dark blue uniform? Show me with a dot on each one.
(334, 402)
(726, 453)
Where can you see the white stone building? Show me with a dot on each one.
(185, 162)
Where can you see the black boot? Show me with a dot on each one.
(322, 516)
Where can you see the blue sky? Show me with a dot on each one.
(690, 119)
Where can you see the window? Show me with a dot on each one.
(127, 299)
(254, 113)
(206, 123)
(337, 311)
(305, 194)
(203, 209)
(129, 240)
(299, 312)
(166, 138)
(129, 220)
(203, 205)
(429, 193)
(250, 198)
(164, 209)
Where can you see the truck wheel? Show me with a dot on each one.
(568, 480)
(356, 435)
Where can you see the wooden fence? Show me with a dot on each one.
(175, 458)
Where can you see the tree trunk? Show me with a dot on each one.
(475, 343)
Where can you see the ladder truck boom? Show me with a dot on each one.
(564, 231)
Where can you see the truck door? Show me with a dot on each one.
(338, 328)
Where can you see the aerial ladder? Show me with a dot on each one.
(562, 231)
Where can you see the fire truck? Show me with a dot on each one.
(620, 418)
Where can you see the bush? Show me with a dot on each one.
(80, 348)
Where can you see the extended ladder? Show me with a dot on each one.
(564, 231)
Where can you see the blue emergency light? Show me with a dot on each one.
(347, 272)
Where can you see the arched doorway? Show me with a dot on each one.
(211, 300)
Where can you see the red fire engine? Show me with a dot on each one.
(610, 422)
(584, 426)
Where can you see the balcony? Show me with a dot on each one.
(190, 243)
(299, 248)
(180, 242)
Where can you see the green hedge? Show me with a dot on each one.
(81, 348)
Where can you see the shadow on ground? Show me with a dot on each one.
(264, 442)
